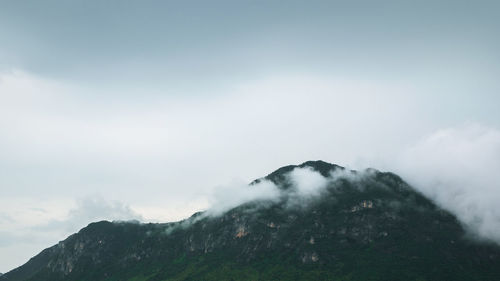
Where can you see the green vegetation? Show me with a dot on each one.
(374, 228)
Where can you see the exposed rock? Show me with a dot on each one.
(376, 228)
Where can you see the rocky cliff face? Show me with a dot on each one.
(365, 226)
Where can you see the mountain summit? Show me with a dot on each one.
(359, 225)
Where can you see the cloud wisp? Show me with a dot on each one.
(92, 209)
(459, 169)
(303, 186)
(29, 226)
(226, 197)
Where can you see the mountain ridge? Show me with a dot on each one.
(375, 227)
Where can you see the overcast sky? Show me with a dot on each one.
(141, 109)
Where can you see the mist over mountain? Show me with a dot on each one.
(313, 221)
(154, 110)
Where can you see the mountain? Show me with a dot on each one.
(362, 225)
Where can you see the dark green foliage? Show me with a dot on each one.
(373, 228)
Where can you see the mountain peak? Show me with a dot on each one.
(320, 166)
(376, 227)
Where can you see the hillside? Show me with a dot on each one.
(365, 225)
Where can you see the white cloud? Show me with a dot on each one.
(30, 225)
(225, 197)
(307, 182)
(303, 185)
(70, 139)
(161, 155)
(459, 168)
(95, 208)
(173, 211)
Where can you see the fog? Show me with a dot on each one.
(459, 169)
(154, 110)
(165, 159)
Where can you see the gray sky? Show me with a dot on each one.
(140, 109)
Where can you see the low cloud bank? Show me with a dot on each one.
(27, 226)
(460, 169)
(92, 209)
(307, 182)
(226, 197)
(306, 185)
